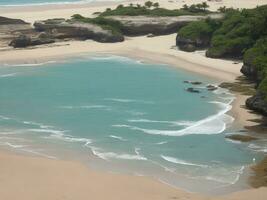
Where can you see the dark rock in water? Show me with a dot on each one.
(242, 138)
(25, 40)
(257, 103)
(196, 82)
(193, 82)
(192, 90)
(211, 87)
(61, 28)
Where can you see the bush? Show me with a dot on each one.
(147, 10)
(199, 30)
(238, 32)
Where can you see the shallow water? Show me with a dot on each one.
(124, 116)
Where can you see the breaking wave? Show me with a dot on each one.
(181, 162)
(117, 137)
(213, 124)
(111, 155)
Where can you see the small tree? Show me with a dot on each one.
(204, 5)
(222, 9)
(108, 9)
(120, 6)
(185, 7)
(148, 4)
(131, 5)
(156, 5)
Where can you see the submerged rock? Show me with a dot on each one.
(193, 82)
(192, 90)
(211, 87)
(242, 138)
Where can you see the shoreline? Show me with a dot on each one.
(155, 50)
(54, 182)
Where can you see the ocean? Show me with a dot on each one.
(124, 116)
(44, 2)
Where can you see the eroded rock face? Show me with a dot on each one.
(61, 28)
(143, 25)
(191, 45)
(257, 103)
(25, 40)
(12, 28)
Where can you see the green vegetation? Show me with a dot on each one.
(200, 7)
(108, 24)
(238, 32)
(199, 29)
(256, 57)
(153, 9)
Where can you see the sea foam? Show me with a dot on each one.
(181, 162)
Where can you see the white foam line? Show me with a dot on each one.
(47, 131)
(213, 124)
(181, 162)
(85, 107)
(174, 123)
(8, 75)
(117, 137)
(4, 117)
(111, 155)
(128, 100)
(28, 64)
(13, 145)
(39, 154)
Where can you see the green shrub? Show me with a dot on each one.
(200, 29)
(238, 32)
(147, 10)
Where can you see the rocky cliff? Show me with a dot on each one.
(61, 28)
(143, 25)
(11, 28)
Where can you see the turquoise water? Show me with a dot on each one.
(41, 2)
(124, 116)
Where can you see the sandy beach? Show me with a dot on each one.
(40, 178)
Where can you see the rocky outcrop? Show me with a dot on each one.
(191, 45)
(257, 103)
(143, 25)
(61, 28)
(25, 40)
(12, 28)
(9, 21)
